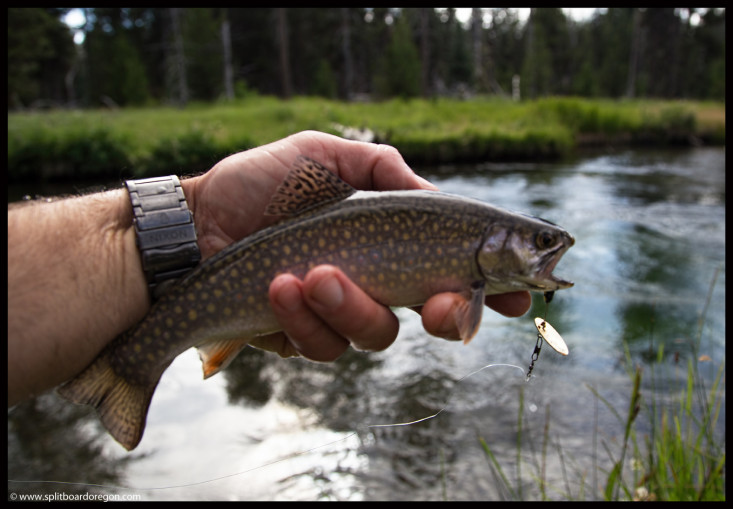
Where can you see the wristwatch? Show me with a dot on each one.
(166, 235)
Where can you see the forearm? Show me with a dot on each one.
(74, 283)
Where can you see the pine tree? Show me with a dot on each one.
(399, 71)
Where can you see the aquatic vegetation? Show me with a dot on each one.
(679, 454)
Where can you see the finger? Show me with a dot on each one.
(438, 313)
(348, 310)
(363, 165)
(390, 171)
(306, 332)
(510, 304)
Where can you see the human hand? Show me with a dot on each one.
(325, 312)
(229, 201)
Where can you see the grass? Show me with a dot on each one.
(680, 458)
(147, 141)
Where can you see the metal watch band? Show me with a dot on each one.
(166, 235)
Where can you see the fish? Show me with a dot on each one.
(400, 247)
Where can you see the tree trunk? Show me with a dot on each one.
(478, 73)
(177, 61)
(425, 50)
(634, 54)
(284, 49)
(346, 50)
(226, 43)
(530, 76)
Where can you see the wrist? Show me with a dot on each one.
(189, 191)
(165, 231)
(120, 256)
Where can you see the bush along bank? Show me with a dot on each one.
(102, 154)
(146, 142)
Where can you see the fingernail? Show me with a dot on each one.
(328, 293)
(426, 184)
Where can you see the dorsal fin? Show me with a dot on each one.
(308, 186)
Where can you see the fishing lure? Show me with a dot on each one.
(546, 332)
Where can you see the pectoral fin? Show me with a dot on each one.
(277, 343)
(468, 314)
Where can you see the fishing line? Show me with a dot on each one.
(195, 483)
(285, 458)
(450, 397)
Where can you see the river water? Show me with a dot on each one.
(650, 242)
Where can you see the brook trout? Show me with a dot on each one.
(401, 247)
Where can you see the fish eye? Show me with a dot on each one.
(544, 240)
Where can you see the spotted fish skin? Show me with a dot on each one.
(400, 247)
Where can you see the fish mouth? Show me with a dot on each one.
(544, 279)
(552, 282)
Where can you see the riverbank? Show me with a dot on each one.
(74, 144)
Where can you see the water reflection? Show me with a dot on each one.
(650, 236)
(665, 309)
(49, 440)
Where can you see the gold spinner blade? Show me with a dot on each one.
(551, 336)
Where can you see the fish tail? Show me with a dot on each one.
(122, 406)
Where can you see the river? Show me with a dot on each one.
(650, 242)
